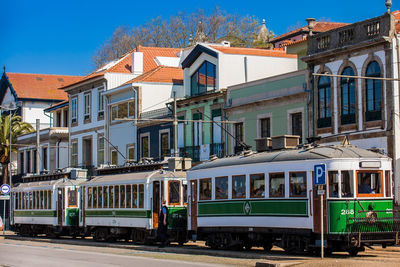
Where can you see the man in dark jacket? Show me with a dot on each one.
(163, 224)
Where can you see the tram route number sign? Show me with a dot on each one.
(320, 174)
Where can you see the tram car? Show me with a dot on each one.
(48, 204)
(269, 198)
(127, 205)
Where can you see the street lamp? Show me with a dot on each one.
(12, 106)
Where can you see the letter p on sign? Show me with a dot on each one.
(320, 174)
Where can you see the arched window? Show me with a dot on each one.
(373, 93)
(204, 79)
(324, 102)
(348, 96)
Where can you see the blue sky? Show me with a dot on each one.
(60, 37)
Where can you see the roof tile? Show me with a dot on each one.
(161, 74)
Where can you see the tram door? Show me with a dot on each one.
(60, 206)
(193, 205)
(156, 202)
(317, 208)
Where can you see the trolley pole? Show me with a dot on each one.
(175, 129)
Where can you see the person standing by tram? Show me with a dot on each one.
(163, 224)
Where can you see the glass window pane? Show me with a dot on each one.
(135, 196)
(111, 197)
(333, 184)
(298, 184)
(257, 185)
(114, 112)
(239, 186)
(128, 196)
(205, 189)
(95, 197)
(105, 193)
(100, 197)
(174, 192)
(90, 196)
(347, 183)
(116, 196)
(131, 108)
(123, 110)
(369, 182)
(50, 201)
(277, 184)
(141, 196)
(122, 196)
(221, 187)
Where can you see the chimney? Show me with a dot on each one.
(137, 63)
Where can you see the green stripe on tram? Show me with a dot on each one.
(119, 213)
(35, 213)
(252, 207)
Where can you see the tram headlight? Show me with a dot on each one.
(372, 217)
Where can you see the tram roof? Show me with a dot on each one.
(136, 176)
(313, 153)
(50, 183)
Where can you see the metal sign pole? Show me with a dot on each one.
(322, 226)
(4, 217)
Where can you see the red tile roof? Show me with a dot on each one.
(161, 74)
(289, 43)
(397, 17)
(318, 27)
(40, 86)
(124, 64)
(252, 51)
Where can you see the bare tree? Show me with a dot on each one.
(177, 30)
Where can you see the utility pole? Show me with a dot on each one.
(175, 129)
(37, 146)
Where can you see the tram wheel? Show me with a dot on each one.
(353, 251)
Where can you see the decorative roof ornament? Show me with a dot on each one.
(190, 40)
(311, 24)
(200, 36)
(263, 34)
(388, 5)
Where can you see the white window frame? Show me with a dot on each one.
(259, 118)
(100, 99)
(130, 146)
(159, 140)
(74, 111)
(86, 104)
(140, 143)
(292, 111)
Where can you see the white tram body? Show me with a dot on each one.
(262, 198)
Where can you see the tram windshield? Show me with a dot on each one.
(369, 183)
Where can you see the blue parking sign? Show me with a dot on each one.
(320, 174)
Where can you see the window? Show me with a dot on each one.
(86, 109)
(134, 196)
(221, 187)
(373, 95)
(131, 153)
(65, 118)
(74, 154)
(185, 193)
(114, 157)
(197, 128)
(100, 98)
(34, 161)
(122, 196)
(145, 146)
(216, 128)
(129, 196)
(204, 79)
(297, 124)
(205, 189)
(123, 110)
(388, 183)
(44, 158)
(324, 102)
(257, 185)
(174, 192)
(58, 119)
(265, 127)
(298, 184)
(239, 186)
(100, 150)
(369, 183)
(41, 200)
(164, 144)
(74, 110)
(111, 197)
(95, 197)
(22, 163)
(90, 196)
(347, 183)
(116, 196)
(141, 196)
(348, 97)
(181, 132)
(100, 198)
(49, 194)
(277, 184)
(238, 137)
(333, 183)
(28, 161)
(105, 193)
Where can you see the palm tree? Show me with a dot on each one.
(17, 128)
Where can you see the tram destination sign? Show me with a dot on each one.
(320, 174)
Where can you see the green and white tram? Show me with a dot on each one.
(261, 199)
(127, 205)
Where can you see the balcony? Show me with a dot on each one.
(371, 30)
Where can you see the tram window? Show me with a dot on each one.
(105, 198)
(111, 197)
(41, 200)
(298, 184)
(49, 193)
(221, 187)
(185, 193)
(72, 197)
(388, 184)
(277, 184)
(94, 197)
(205, 189)
(31, 201)
(141, 196)
(128, 196)
(35, 200)
(122, 195)
(333, 184)
(239, 186)
(90, 197)
(134, 196)
(257, 185)
(173, 196)
(116, 194)
(45, 200)
(347, 184)
(369, 183)
(100, 197)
